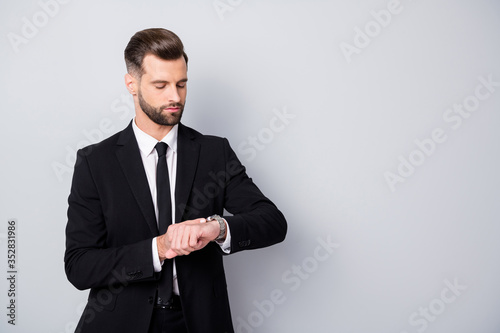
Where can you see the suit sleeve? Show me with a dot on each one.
(89, 262)
(256, 221)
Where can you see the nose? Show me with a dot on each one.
(173, 95)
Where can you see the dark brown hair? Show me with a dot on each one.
(160, 42)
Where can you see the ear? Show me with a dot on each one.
(131, 84)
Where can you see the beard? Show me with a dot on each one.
(157, 115)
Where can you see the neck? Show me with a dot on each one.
(148, 126)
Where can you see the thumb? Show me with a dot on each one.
(170, 254)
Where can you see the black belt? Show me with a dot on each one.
(173, 303)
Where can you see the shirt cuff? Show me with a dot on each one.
(156, 257)
(226, 245)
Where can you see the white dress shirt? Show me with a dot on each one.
(150, 160)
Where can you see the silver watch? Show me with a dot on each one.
(222, 225)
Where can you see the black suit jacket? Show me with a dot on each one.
(111, 224)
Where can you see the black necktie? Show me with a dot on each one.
(164, 218)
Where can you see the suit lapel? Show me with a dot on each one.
(187, 164)
(129, 156)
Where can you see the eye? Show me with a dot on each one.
(160, 86)
(181, 85)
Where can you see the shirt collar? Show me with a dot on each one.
(147, 143)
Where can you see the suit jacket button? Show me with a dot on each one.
(244, 243)
(150, 300)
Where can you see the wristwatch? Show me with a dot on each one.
(222, 225)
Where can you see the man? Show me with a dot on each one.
(145, 231)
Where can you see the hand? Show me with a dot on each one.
(186, 237)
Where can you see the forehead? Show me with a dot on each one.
(155, 67)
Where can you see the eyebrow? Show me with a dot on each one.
(164, 81)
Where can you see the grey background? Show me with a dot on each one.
(350, 121)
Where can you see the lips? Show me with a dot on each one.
(172, 109)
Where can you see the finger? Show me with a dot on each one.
(184, 238)
(195, 221)
(176, 234)
(184, 241)
(170, 254)
(194, 238)
(177, 243)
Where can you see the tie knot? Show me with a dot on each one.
(161, 148)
